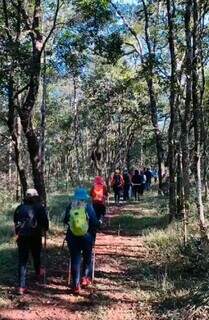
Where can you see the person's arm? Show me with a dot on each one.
(105, 192)
(67, 214)
(16, 219)
(43, 218)
(112, 182)
(122, 181)
(93, 221)
(91, 191)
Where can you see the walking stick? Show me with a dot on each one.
(108, 211)
(69, 272)
(44, 258)
(93, 264)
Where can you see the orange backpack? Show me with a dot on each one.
(98, 193)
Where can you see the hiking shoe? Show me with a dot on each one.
(22, 291)
(41, 272)
(76, 290)
(85, 282)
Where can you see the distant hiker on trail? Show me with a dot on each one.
(155, 174)
(127, 185)
(117, 183)
(142, 180)
(82, 225)
(99, 195)
(149, 176)
(30, 221)
(136, 184)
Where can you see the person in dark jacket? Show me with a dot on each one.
(149, 175)
(81, 245)
(136, 182)
(31, 221)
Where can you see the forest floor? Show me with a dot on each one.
(133, 279)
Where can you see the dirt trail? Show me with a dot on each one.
(115, 294)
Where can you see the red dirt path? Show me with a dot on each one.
(115, 295)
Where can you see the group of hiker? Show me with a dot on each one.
(126, 185)
(83, 216)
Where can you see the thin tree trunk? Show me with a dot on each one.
(43, 122)
(14, 126)
(152, 95)
(197, 121)
(10, 166)
(173, 112)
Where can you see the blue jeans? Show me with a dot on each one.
(80, 247)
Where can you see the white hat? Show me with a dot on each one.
(32, 193)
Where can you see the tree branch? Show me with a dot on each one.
(130, 29)
(53, 26)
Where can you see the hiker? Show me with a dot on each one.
(31, 221)
(149, 175)
(127, 185)
(155, 174)
(99, 195)
(142, 181)
(136, 182)
(117, 183)
(82, 225)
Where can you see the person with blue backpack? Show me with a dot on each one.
(31, 222)
(82, 226)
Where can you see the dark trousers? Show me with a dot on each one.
(126, 192)
(99, 209)
(141, 189)
(117, 191)
(80, 247)
(136, 191)
(28, 245)
(148, 185)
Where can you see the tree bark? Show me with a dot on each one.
(14, 126)
(197, 120)
(173, 113)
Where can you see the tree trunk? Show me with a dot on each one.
(152, 96)
(43, 126)
(173, 112)
(197, 120)
(14, 126)
(35, 159)
(185, 119)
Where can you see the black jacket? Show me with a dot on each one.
(40, 219)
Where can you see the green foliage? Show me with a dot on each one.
(110, 48)
(196, 257)
(94, 11)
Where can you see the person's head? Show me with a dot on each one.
(136, 172)
(99, 181)
(31, 195)
(117, 171)
(80, 197)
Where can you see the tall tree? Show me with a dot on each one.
(24, 45)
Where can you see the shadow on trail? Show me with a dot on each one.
(172, 283)
(131, 225)
(133, 274)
